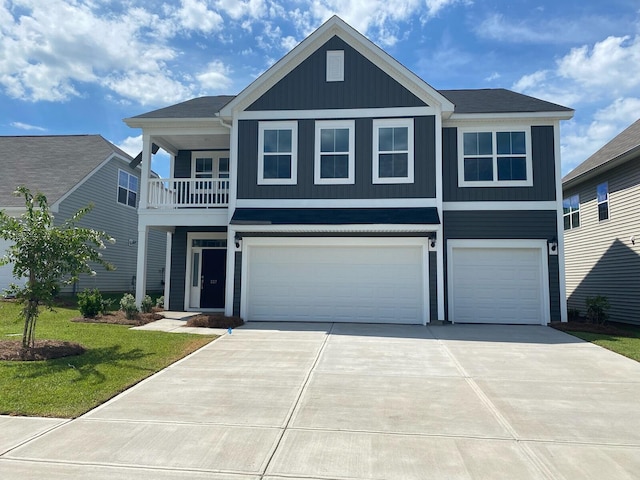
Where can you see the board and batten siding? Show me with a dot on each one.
(600, 258)
(365, 85)
(120, 222)
(424, 185)
(525, 225)
(543, 163)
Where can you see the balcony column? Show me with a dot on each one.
(141, 268)
(145, 171)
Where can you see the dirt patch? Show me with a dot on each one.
(606, 329)
(119, 318)
(43, 350)
(214, 321)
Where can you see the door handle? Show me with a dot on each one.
(213, 282)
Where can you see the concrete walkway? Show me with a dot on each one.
(350, 402)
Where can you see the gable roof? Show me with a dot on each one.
(335, 26)
(52, 165)
(625, 146)
(499, 100)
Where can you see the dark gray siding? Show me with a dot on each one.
(237, 283)
(179, 263)
(433, 286)
(424, 185)
(365, 85)
(543, 163)
(182, 167)
(507, 225)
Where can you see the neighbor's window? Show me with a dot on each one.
(334, 152)
(393, 151)
(571, 212)
(127, 188)
(494, 158)
(277, 152)
(603, 201)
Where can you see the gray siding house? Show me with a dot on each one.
(341, 187)
(602, 227)
(73, 171)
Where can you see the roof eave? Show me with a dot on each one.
(602, 168)
(136, 122)
(558, 115)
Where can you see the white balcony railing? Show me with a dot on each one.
(188, 192)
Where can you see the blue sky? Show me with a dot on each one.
(81, 66)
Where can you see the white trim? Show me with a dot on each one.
(291, 125)
(407, 123)
(129, 175)
(503, 244)
(494, 129)
(483, 117)
(336, 203)
(560, 224)
(233, 169)
(351, 228)
(346, 113)
(598, 202)
(191, 236)
(167, 271)
(571, 212)
(515, 205)
(350, 125)
(335, 66)
(141, 264)
(249, 242)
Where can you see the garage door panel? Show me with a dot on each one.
(336, 283)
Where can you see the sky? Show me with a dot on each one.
(82, 66)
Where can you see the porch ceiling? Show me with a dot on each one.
(175, 142)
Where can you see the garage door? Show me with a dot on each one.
(497, 285)
(381, 283)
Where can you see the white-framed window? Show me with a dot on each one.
(127, 189)
(277, 153)
(202, 167)
(335, 65)
(495, 157)
(602, 191)
(334, 152)
(571, 212)
(393, 150)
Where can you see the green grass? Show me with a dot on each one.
(116, 358)
(629, 346)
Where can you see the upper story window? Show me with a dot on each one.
(494, 158)
(212, 164)
(334, 152)
(335, 65)
(223, 167)
(571, 212)
(277, 153)
(393, 150)
(127, 188)
(203, 167)
(603, 201)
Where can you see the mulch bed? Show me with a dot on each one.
(120, 318)
(214, 321)
(43, 350)
(606, 329)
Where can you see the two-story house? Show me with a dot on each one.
(339, 186)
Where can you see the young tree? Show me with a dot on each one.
(46, 256)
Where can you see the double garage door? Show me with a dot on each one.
(336, 280)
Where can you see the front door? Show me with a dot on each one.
(213, 276)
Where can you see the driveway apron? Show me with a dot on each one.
(279, 401)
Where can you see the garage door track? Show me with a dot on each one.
(346, 401)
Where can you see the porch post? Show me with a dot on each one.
(145, 171)
(167, 271)
(440, 272)
(141, 273)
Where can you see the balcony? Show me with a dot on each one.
(178, 193)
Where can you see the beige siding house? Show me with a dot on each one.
(602, 227)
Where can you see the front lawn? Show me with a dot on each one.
(623, 339)
(116, 358)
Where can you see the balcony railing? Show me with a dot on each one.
(188, 192)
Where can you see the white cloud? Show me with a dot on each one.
(131, 145)
(214, 79)
(160, 162)
(148, 88)
(26, 126)
(196, 15)
(237, 9)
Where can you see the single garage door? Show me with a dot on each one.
(497, 285)
(379, 283)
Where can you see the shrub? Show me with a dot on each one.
(160, 302)
(90, 303)
(574, 314)
(597, 309)
(146, 305)
(128, 306)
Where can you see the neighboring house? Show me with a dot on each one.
(602, 227)
(73, 171)
(339, 186)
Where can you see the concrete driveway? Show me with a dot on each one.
(343, 401)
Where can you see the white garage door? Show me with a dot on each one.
(497, 285)
(382, 283)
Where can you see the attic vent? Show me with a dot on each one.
(335, 65)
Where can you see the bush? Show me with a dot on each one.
(90, 303)
(160, 302)
(128, 306)
(146, 305)
(574, 314)
(597, 309)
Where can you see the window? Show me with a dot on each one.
(571, 212)
(603, 201)
(277, 153)
(223, 167)
(127, 189)
(494, 158)
(335, 65)
(393, 151)
(334, 152)
(203, 167)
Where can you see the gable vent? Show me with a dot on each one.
(335, 65)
